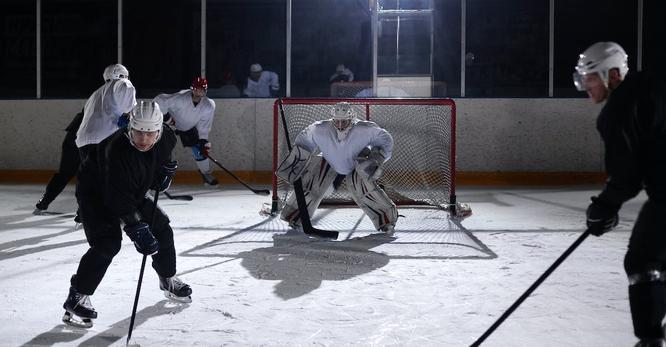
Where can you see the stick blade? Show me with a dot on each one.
(327, 234)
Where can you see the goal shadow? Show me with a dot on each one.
(421, 233)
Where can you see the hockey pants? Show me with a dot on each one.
(69, 165)
(104, 236)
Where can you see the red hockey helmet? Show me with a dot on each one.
(199, 83)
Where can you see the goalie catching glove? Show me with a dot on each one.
(292, 167)
(369, 163)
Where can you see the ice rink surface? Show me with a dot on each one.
(436, 282)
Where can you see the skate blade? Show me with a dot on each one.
(180, 299)
(69, 319)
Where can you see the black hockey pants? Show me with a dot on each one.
(647, 252)
(104, 236)
(69, 165)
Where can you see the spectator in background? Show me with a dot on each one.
(342, 74)
(228, 88)
(261, 84)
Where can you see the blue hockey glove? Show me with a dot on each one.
(123, 120)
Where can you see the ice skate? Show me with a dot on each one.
(209, 179)
(40, 207)
(78, 310)
(175, 289)
(651, 343)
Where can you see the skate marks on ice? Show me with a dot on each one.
(41, 243)
(270, 250)
(63, 333)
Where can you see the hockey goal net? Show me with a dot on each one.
(422, 168)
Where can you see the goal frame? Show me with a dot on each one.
(367, 102)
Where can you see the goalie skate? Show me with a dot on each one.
(76, 321)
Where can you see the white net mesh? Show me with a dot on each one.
(422, 168)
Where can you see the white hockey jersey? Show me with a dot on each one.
(341, 155)
(186, 114)
(268, 81)
(101, 112)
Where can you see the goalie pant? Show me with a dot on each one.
(318, 180)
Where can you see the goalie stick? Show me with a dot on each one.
(179, 197)
(533, 287)
(300, 196)
(256, 191)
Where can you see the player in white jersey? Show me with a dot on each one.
(191, 113)
(104, 108)
(349, 149)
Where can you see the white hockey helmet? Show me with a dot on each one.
(343, 118)
(146, 116)
(115, 72)
(600, 58)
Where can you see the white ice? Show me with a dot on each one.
(255, 283)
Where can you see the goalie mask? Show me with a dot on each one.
(600, 58)
(343, 119)
(145, 125)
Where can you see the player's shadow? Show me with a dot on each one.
(302, 263)
(63, 333)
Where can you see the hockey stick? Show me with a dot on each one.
(179, 197)
(256, 191)
(143, 266)
(300, 196)
(534, 286)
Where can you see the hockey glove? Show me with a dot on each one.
(601, 216)
(204, 147)
(169, 120)
(123, 120)
(143, 239)
(165, 175)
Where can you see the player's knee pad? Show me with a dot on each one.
(372, 200)
(317, 178)
(647, 300)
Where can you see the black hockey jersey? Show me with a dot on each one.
(632, 125)
(118, 175)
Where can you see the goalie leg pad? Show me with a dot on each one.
(293, 166)
(373, 201)
(317, 178)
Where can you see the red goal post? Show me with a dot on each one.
(422, 168)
